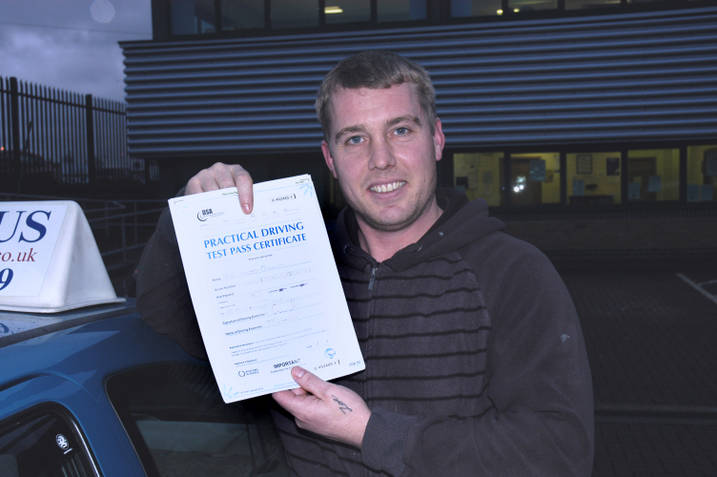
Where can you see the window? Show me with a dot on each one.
(242, 14)
(534, 179)
(294, 13)
(44, 441)
(192, 17)
(526, 6)
(653, 175)
(476, 8)
(701, 173)
(401, 10)
(593, 178)
(202, 17)
(584, 4)
(347, 11)
(479, 175)
(181, 427)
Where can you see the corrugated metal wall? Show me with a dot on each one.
(591, 80)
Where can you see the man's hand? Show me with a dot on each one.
(324, 408)
(220, 176)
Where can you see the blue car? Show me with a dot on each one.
(96, 392)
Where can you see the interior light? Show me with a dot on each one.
(499, 11)
(520, 184)
(333, 10)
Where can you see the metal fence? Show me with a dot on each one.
(50, 136)
(121, 229)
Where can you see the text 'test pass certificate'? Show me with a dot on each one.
(265, 287)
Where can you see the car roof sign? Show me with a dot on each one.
(49, 260)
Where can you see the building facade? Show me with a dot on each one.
(547, 105)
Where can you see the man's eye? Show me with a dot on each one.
(354, 140)
(402, 131)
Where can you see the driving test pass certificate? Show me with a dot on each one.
(265, 287)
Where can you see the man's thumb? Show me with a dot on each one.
(306, 380)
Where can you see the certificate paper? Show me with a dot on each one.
(265, 287)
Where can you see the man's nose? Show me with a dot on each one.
(381, 155)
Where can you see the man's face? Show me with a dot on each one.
(383, 153)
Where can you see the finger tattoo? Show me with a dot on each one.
(343, 407)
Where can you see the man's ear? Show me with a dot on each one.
(439, 139)
(328, 158)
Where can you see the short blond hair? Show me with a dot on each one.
(375, 69)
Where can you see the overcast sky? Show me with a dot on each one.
(71, 44)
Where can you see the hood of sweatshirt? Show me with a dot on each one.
(462, 222)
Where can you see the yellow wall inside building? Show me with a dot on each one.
(700, 187)
(695, 156)
(484, 174)
(667, 163)
(597, 182)
(550, 187)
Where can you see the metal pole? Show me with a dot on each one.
(91, 170)
(15, 128)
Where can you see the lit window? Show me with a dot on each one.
(527, 6)
(701, 173)
(593, 178)
(653, 175)
(587, 4)
(479, 175)
(347, 11)
(534, 179)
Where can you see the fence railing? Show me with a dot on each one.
(51, 136)
(121, 229)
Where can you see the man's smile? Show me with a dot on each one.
(389, 187)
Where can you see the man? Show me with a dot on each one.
(475, 362)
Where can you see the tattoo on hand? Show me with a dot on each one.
(343, 407)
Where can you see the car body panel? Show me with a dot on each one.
(69, 367)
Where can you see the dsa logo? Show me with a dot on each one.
(204, 214)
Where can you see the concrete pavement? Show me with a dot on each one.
(651, 335)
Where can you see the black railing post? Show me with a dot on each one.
(563, 179)
(136, 223)
(123, 226)
(91, 166)
(683, 174)
(15, 130)
(147, 174)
